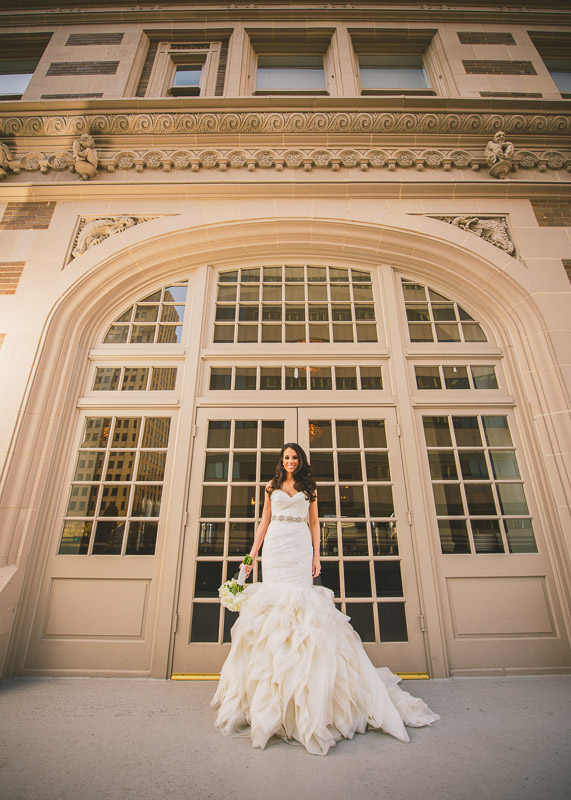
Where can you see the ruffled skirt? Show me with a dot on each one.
(297, 670)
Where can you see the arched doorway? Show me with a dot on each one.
(115, 611)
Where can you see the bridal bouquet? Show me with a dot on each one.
(231, 591)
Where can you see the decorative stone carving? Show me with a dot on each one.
(298, 122)
(499, 156)
(6, 162)
(94, 231)
(85, 157)
(492, 229)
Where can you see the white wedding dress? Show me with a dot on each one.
(296, 668)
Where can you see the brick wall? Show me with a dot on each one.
(10, 274)
(567, 267)
(76, 39)
(499, 67)
(554, 213)
(27, 216)
(509, 94)
(485, 37)
(83, 68)
(72, 96)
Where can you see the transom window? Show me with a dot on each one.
(115, 497)
(456, 377)
(434, 318)
(478, 491)
(320, 377)
(295, 304)
(139, 379)
(157, 318)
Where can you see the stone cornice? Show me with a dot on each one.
(283, 122)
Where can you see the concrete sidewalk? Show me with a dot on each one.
(506, 738)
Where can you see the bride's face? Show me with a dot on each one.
(290, 460)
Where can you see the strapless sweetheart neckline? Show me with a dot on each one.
(288, 494)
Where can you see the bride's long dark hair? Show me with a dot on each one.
(303, 480)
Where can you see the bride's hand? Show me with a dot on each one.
(248, 568)
(316, 567)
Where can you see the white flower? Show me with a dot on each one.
(231, 595)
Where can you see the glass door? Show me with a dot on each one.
(366, 543)
(235, 455)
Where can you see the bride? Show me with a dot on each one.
(296, 668)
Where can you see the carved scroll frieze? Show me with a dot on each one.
(493, 229)
(278, 159)
(260, 122)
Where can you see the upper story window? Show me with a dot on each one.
(290, 73)
(186, 80)
(432, 317)
(392, 73)
(282, 61)
(184, 68)
(555, 47)
(19, 57)
(394, 61)
(157, 318)
(295, 304)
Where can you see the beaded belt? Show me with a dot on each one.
(282, 518)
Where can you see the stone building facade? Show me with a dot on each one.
(228, 225)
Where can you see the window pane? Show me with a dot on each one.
(120, 465)
(117, 334)
(484, 377)
(322, 466)
(210, 538)
(82, 500)
(320, 433)
(473, 332)
(388, 579)
(106, 379)
(135, 379)
(142, 538)
(208, 578)
(352, 501)
(245, 379)
(384, 538)
(349, 467)
(355, 541)
(377, 466)
(146, 313)
(96, 432)
(89, 466)
(147, 501)
(347, 433)
(187, 75)
(380, 501)
(473, 464)
(519, 533)
(480, 498)
(497, 431)
(218, 433)
(241, 537)
(163, 379)
(271, 378)
(156, 432)
(442, 465)
(453, 536)
(114, 501)
(220, 378)
(374, 434)
(296, 378)
(223, 333)
(345, 377)
(330, 576)
(456, 378)
(243, 501)
(437, 431)
(175, 294)
(413, 291)
(467, 431)
(512, 498)
(126, 432)
(392, 72)
(326, 501)
(447, 332)
(428, 378)
(487, 536)
(272, 433)
(246, 433)
(448, 500)
(205, 621)
(420, 332)
(75, 537)
(504, 464)
(357, 579)
(142, 334)
(226, 293)
(213, 501)
(392, 622)
(361, 615)
(321, 378)
(244, 467)
(216, 467)
(370, 377)
(108, 539)
(366, 332)
(329, 539)
(290, 72)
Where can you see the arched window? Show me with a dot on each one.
(156, 318)
(434, 318)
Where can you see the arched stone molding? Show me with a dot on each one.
(488, 282)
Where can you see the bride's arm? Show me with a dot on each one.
(261, 532)
(315, 537)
